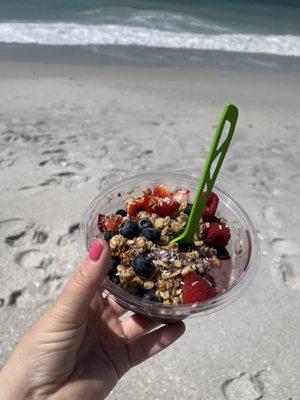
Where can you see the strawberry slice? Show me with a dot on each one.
(196, 288)
(211, 207)
(181, 195)
(101, 221)
(162, 206)
(161, 191)
(150, 202)
(106, 223)
(135, 206)
(112, 223)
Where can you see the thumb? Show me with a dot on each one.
(73, 303)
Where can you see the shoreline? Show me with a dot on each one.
(106, 55)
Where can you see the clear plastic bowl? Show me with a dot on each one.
(243, 246)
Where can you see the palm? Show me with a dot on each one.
(109, 348)
(80, 347)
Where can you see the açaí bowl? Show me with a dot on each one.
(243, 246)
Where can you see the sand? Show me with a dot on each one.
(64, 129)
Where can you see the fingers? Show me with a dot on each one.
(151, 344)
(136, 326)
(73, 303)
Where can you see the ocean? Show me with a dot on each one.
(247, 26)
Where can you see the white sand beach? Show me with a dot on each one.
(64, 128)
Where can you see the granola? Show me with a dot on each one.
(146, 263)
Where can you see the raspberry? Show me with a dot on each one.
(197, 288)
(217, 235)
(211, 207)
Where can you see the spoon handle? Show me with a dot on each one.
(210, 172)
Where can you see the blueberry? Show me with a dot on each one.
(186, 247)
(143, 266)
(145, 223)
(115, 279)
(113, 263)
(150, 297)
(151, 234)
(121, 212)
(108, 235)
(223, 254)
(188, 209)
(129, 229)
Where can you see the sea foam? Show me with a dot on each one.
(86, 34)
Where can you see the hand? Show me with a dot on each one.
(80, 348)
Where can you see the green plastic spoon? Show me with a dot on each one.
(216, 156)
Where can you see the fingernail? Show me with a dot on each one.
(95, 250)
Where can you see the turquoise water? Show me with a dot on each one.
(248, 26)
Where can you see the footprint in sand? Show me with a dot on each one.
(232, 167)
(15, 239)
(50, 284)
(66, 178)
(243, 387)
(295, 178)
(50, 182)
(263, 178)
(284, 246)
(72, 138)
(154, 123)
(13, 231)
(77, 165)
(53, 151)
(69, 237)
(287, 254)
(30, 190)
(271, 216)
(7, 161)
(287, 273)
(8, 136)
(40, 124)
(14, 297)
(10, 221)
(18, 233)
(61, 160)
(33, 258)
(39, 236)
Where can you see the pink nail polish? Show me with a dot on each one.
(95, 250)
